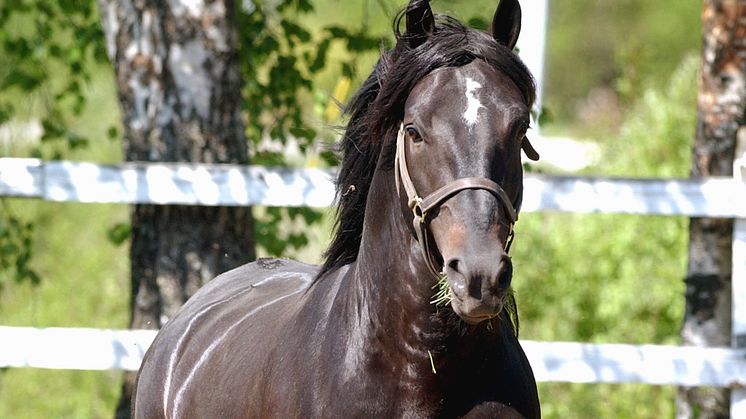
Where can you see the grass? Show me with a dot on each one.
(442, 296)
(623, 285)
(84, 284)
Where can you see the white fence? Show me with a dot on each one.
(97, 349)
(72, 348)
(202, 184)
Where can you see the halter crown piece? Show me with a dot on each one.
(421, 206)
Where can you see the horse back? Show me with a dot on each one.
(209, 333)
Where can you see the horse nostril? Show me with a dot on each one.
(505, 275)
(453, 264)
(456, 277)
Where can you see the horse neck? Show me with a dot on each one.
(392, 288)
(385, 298)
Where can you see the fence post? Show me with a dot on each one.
(531, 46)
(738, 341)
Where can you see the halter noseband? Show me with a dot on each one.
(421, 206)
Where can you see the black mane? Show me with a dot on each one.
(378, 107)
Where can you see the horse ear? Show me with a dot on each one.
(506, 24)
(529, 149)
(420, 22)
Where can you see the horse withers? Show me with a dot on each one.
(429, 189)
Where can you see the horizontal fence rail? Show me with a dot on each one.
(192, 184)
(95, 349)
(165, 183)
(73, 348)
(649, 364)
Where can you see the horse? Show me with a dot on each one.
(428, 191)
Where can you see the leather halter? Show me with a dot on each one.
(421, 206)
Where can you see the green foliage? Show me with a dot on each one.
(282, 231)
(614, 278)
(15, 249)
(282, 58)
(119, 233)
(45, 48)
(620, 45)
(656, 138)
(50, 46)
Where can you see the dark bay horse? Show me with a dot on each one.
(430, 185)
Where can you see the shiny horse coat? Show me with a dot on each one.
(359, 335)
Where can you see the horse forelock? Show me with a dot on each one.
(378, 107)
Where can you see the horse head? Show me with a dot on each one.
(458, 164)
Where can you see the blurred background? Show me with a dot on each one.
(620, 81)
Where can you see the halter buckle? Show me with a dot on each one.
(416, 205)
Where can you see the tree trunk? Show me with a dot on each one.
(179, 86)
(721, 112)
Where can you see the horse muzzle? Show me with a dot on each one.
(479, 285)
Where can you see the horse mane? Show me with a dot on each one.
(378, 107)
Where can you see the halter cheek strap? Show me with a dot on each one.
(421, 207)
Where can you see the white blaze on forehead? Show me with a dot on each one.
(472, 102)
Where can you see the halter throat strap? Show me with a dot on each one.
(421, 207)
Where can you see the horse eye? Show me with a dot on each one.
(413, 134)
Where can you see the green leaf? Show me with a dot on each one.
(112, 132)
(119, 233)
(22, 79)
(303, 132)
(294, 31)
(546, 116)
(305, 6)
(478, 23)
(329, 157)
(337, 32)
(16, 248)
(75, 141)
(6, 110)
(318, 63)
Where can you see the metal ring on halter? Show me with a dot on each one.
(416, 206)
(421, 206)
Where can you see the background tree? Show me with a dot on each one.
(721, 113)
(179, 84)
(180, 79)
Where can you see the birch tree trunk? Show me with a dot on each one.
(721, 112)
(179, 85)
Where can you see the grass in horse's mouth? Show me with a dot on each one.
(442, 294)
